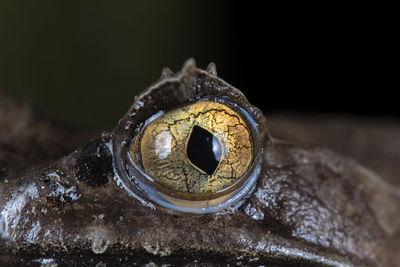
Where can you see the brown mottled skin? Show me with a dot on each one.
(311, 205)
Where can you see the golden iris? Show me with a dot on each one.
(198, 149)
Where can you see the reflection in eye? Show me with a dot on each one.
(196, 151)
(163, 144)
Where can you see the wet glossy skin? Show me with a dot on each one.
(310, 204)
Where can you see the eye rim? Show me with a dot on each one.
(139, 183)
(173, 90)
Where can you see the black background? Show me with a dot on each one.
(82, 63)
(321, 62)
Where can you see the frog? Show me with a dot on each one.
(93, 199)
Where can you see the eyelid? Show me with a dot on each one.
(143, 185)
(174, 91)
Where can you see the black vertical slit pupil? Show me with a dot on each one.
(204, 150)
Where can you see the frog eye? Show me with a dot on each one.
(189, 143)
(195, 152)
(196, 158)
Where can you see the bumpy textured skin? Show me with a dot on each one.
(311, 206)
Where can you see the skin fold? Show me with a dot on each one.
(314, 203)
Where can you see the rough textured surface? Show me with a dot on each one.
(311, 206)
(372, 142)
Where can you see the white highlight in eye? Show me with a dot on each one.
(163, 144)
(216, 148)
(223, 140)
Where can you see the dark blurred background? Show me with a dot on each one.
(82, 63)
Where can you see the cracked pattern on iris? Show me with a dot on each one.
(211, 133)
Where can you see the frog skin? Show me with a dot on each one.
(309, 206)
